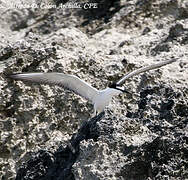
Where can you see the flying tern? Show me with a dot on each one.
(99, 98)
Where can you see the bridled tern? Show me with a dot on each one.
(99, 98)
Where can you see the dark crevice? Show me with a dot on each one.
(47, 165)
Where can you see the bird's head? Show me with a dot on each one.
(113, 85)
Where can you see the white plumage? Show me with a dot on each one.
(99, 98)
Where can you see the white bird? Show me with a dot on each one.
(99, 98)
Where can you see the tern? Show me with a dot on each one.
(99, 98)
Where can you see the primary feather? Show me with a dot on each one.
(144, 69)
(67, 81)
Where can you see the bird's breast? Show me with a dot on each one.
(103, 99)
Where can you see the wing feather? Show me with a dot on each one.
(66, 81)
(144, 69)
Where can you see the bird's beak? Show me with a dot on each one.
(125, 91)
(122, 90)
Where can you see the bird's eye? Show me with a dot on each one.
(112, 85)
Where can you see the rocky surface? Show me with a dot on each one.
(142, 135)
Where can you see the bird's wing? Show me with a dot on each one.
(144, 69)
(70, 82)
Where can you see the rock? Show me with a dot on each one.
(58, 164)
(143, 135)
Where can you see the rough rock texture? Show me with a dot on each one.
(142, 135)
(58, 165)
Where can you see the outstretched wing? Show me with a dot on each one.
(66, 81)
(144, 69)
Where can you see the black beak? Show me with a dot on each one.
(114, 85)
(123, 90)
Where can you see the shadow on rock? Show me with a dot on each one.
(46, 165)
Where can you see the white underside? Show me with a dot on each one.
(103, 99)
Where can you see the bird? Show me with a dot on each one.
(99, 98)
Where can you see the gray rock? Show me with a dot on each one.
(143, 135)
